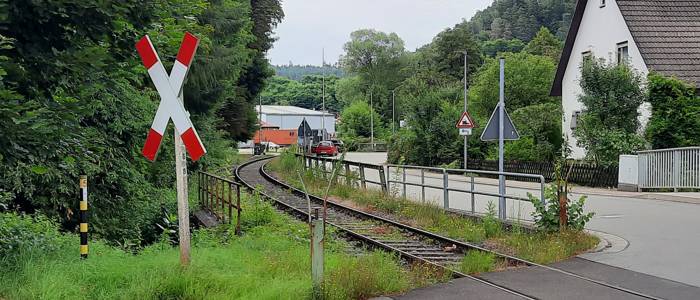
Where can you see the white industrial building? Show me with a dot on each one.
(289, 117)
(659, 36)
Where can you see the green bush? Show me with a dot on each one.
(492, 226)
(611, 96)
(675, 117)
(26, 235)
(547, 216)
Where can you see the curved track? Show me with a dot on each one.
(413, 243)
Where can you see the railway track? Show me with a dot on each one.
(412, 243)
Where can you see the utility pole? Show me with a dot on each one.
(323, 91)
(501, 116)
(371, 119)
(393, 111)
(261, 123)
(466, 143)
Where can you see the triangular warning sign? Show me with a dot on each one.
(491, 131)
(465, 121)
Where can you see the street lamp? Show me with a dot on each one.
(466, 143)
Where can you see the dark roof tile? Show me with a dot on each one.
(667, 33)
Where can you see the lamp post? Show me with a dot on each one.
(466, 142)
(393, 111)
(371, 119)
(323, 92)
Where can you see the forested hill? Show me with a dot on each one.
(297, 72)
(521, 19)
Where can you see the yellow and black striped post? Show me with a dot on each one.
(83, 218)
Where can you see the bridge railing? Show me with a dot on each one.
(440, 179)
(221, 196)
(354, 173)
(676, 168)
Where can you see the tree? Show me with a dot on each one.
(541, 124)
(448, 47)
(355, 120)
(611, 96)
(75, 99)
(545, 44)
(492, 48)
(675, 118)
(377, 58)
(528, 81)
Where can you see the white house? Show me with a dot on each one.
(289, 117)
(660, 35)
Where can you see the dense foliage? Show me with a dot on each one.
(612, 94)
(307, 92)
(75, 99)
(297, 72)
(675, 119)
(521, 19)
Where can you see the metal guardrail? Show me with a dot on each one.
(359, 178)
(216, 195)
(675, 168)
(372, 147)
(445, 174)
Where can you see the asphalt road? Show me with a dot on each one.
(655, 237)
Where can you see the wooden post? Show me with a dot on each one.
(362, 177)
(183, 210)
(317, 255)
(230, 203)
(238, 209)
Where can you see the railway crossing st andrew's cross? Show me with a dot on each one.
(171, 106)
(169, 87)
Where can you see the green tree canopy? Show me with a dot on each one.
(545, 44)
(611, 97)
(675, 118)
(528, 82)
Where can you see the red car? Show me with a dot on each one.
(325, 148)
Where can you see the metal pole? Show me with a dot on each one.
(183, 210)
(83, 217)
(323, 88)
(472, 192)
(422, 185)
(446, 192)
(501, 116)
(393, 111)
(466, 144)
(261, 128)
(404, 182)
(371, 118)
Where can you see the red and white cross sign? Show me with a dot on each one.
(169, 87)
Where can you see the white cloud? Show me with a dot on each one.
(310, 25)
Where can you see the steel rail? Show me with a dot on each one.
(449, 241)
(356, 235)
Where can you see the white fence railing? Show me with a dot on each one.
(677, 168)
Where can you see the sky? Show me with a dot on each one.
(312, 26)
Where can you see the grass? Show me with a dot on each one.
(270, 261)
(476, 261)
(538, 247)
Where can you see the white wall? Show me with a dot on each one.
(601, 29)
(293, 121)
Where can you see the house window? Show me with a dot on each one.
(602, 3)
(587, 55)
(623, 52)
(574, 119)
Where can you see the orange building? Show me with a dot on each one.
(272, 133)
